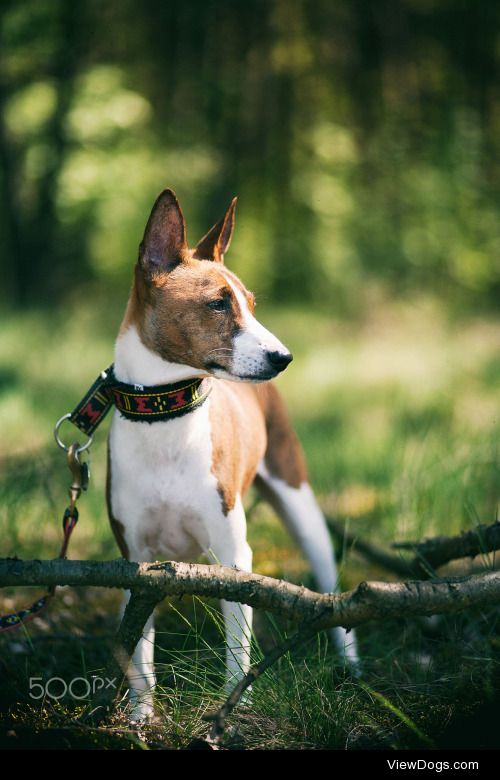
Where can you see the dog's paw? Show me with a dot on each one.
(353, 667)
(346, 646)
(142, 713)
(352, 659)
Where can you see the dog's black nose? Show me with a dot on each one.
(279, 360)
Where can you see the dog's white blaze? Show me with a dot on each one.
(162, 483)
(253, 342)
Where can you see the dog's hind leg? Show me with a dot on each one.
(282, 480)
(299, 510)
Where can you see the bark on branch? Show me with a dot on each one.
(151, 582)
(139, 607)
(436, 552)
(429, 555)
(368, 601)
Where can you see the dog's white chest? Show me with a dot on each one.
(162, 487)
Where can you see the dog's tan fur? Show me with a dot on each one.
(188, 316)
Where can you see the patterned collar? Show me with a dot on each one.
(138, 402)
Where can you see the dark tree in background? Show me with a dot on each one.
(362, 137)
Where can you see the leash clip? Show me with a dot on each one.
(80, 472)
(61, 444)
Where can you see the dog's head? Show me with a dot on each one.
(191, 309)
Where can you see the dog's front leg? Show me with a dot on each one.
(141, 672)
(229, 547)
(238, 623)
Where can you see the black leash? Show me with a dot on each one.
(80, 478)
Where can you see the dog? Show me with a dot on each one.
(176, 486)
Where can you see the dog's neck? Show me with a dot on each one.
(136, 364)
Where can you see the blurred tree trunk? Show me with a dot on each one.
(34, 251)
(413, 88)
(12, 229)
(45, 247)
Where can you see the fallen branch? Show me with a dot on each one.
(440, 550)
(139, 607)
(151, 582)
(429, 555)
(372, 552)
(218, 718)
(368, 601)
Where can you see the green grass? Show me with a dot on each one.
(398, 414)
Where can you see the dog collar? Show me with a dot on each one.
(137, 402)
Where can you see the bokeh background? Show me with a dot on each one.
(363, 140)
(361, 137)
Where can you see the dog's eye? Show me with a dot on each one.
(220, 304)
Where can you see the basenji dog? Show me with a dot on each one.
(176, 486)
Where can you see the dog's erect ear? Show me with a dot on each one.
(216, 242)
(164, 242)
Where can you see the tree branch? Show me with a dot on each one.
(429, 555)
(368, 601)
(151, 582)
(139, 607)
(218, 718)
(440, 550)
(395, 563)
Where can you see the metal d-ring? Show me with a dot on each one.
(60, 443)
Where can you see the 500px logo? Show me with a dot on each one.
(77, 688)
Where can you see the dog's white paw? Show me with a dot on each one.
(142, 712)
(345, 644)
(350, 654)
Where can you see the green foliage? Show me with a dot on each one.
(361, 139)
(363, 142)
(400, 430)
